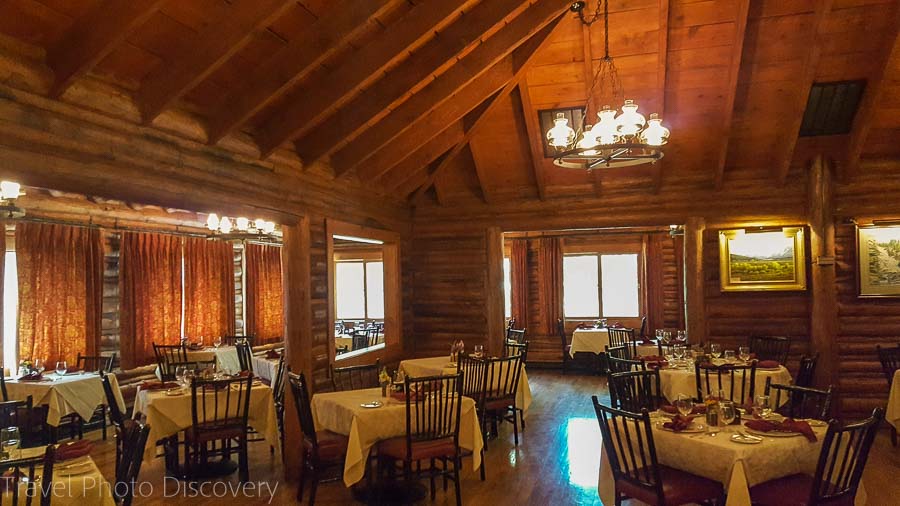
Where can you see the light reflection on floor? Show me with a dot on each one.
(583, 441)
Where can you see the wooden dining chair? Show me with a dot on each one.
(515, 335)
(628, 441)
(167, 354)
(623, 337)
(98, 364)
(617, 361)
(890, 363)
(513, 348)
(195, 365)
(278, 398)
(219, 411)
(801, 402)
(643, 333)
(234, 340)
(116, 417)
(372, 335)
(128, 467)
(245, 356)
(355, 377)
(564, 344)
(474, 373)
(15, 413)
(502, 387)
(322, 449)
(635, 390)
(770, 348)
(433, 411)
(842, 459)
(95, 363)
(21, 479)
(806, 373)
(737, 382)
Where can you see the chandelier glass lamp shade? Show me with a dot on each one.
(618, 138)
(9, 192)
(241, 228)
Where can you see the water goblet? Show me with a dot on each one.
(659, 335)
(715, 350)
(9, 440)
(763, 409)
(684, 404)
(744, 353)
(479, 351)
(729, 356)
(727, 412)
(678, 352)
(682, 335)
(217, 342)
(179, 373)
(188, 377)
(61, 368)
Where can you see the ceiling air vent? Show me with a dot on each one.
(831, 108)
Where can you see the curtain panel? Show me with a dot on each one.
(264, 296)
(208, 288)
(549, 263)
(150, 267)
(518, 273)
(60, 278)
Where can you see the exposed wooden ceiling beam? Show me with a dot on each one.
(93, 36)
(862, 122)
(441, 88)
(293, 62)
(469, 121)
(794, 112)
(737, 50)
(535, 137)
(421, 157)
(366, 66)
(225, 34)
(661, 75)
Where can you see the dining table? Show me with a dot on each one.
(76, 392)
(344, 413)
(681, 379)
(76, 482)
(595, 340)
(168, 412)
(892, 415)
(264, 367)
(432, 366)
(226, 358)
(737, 466)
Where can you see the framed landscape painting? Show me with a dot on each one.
(879, 261)
(764, 260)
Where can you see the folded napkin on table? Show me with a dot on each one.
(73, 450)
(157, 385)
(195, 346)
(32, 376)
(767, 364)
(786, 425)
(698, 409)
(679, 423)
(272, 354)
(10, 478)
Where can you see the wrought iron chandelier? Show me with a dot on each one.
(616, 140)
(242, 229)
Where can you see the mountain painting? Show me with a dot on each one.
(879, 261)
(762, 257)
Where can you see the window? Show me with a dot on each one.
(359, 290)
(595, 285)
(10, 312)
(507, 288)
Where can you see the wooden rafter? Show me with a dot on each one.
(213, 46)
(737, 50)
(294, 62)
(535, 143)
(469, 121)
(421, 157)
(661, 75)
(442, 88)
(795, 113)
(93, 36)
(862, 122)
(362, 69)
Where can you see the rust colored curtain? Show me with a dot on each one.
(208, 288)
(518, 274)
(60, 277)
(265, 306)
(150, 268)
(549, 264)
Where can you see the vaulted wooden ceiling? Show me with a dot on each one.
(437, 100)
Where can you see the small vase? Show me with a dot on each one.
(384, 390)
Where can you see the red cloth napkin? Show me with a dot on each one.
(679, 423)
(767, 364)
(33, 376)
(10, 479)
(157, 385)
(74, 450)
(698, 409)
(272, 354)
(787, 425)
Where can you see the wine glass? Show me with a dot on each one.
(715, 350)
(61, 368)
(684, 404)
(479, 351)
(678, 352)
(39, 365)
(9, 440)
(659, 335)
(682, 335)
(763, 408)
(179, 373)
(217, 342)
(729, 356)
(744, 353)
(727, 412)
(188, 377)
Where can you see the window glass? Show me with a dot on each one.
(507, 288)
(620, 285)
(10, 312)
(375, 289)
(580, 294)
(350, 298)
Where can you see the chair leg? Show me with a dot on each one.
(302, 476)
(103, 421)
(457, 463)
(522, 417)
(242, 460)
(515, 422)
(482, 469)
(431, 478)
(315, 483)
(894, 436)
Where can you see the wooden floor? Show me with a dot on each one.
(556, 461)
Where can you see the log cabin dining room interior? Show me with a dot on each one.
(450, 251)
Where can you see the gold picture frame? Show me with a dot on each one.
(878, 261)
(762, 260)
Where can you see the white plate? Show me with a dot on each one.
(174, 391)
(372, 405)
(74, 469)
(737, 438)
(773, 433)
(813, 422)
(451, 364)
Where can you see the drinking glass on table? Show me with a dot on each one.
(715, 350)
(479, 351)
(179, 373)
(678, 352)
(38, 365)
(61, 368)
(727, 412)
(762, 406)
(744, 353)
(9, 440)
(187, 377)
(682, 335)
(729, 356)
(217, 342)
(684, 404)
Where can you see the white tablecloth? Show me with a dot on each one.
(169, 414)
(683, 381)
(589, 341)
(265, 368)
(893, 407)
(737, 466)
(441, 365)
(82, 489)
(341, 412)
(226, 358)
(74, 393)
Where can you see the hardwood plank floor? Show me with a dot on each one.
(556, 461)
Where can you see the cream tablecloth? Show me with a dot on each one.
(893, 407)
(169, 414)
(265, 368)
(441, 365)
(589, 341)
(82, 489)
(683, 381)
(341, 412)
(737, 466)
(73, 393)
(225, 356)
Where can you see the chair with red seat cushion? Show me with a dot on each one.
(636, 390)
(321, 449)
(739, 388)
(802, 402)
(641, 476)
(842, 460)
(432, 431)
(889, 356)
(502, 386)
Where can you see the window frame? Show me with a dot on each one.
(635, 249)
(365, 263)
